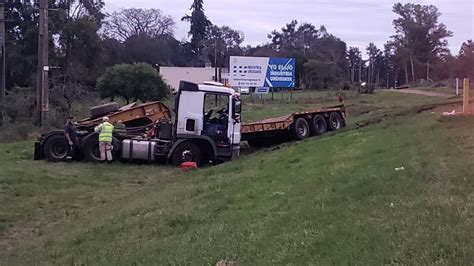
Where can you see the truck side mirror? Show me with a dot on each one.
(236, 109)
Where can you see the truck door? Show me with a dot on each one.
(190, 113)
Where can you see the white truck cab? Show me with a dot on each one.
(209, 114)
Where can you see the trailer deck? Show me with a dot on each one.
(284, 122)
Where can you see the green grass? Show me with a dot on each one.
(447, 90)
(358, 106)
(330, 200)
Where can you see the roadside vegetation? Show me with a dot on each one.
(335, 199)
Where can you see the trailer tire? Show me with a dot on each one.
(335, 121)
(318, 125)
(300, 129)
(55, 148)
(104, 109)
(186, 152)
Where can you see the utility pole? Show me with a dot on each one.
(215, 60)
(2, 62)
(42, 82)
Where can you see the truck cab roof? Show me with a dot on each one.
(208, 87)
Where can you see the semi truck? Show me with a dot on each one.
(207, 127)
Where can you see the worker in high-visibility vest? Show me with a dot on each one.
(105, 131)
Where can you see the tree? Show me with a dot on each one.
(354, 58)
(304, 42)
(138, 22)
(222, 43)
(132, 82)
(464, 65)
(163, 50)
(319, 74)
(21, 39)
(419, 38)
(375, 61)
(200, 25)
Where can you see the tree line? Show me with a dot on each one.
(85, 41)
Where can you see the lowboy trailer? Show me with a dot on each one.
(206, 128)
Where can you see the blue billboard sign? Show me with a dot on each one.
(262, 72)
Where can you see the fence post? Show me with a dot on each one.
(466, 96)
(457, 86)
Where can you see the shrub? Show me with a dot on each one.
(132, 82)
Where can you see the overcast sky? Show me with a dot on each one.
(357, 22)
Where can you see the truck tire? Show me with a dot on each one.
(300, 129)
(335, 121)
(186, 152)
(91, 151)
(318, 125)
(56, 148)
(104, 109)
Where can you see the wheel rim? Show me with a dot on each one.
(59, 150)
(187, 155)
(335, 123)
(320, 125)
(302, 130)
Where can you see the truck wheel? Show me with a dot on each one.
(104, 109)
(300, 129)
(56, 148)
(186, 152)
(335, 121)
(318, 125)
(91, 149)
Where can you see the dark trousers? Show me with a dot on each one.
(71, 151)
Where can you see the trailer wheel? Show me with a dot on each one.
(56, 148)
(318, 125)
(186, 152)
(335, 121)
(300, 129)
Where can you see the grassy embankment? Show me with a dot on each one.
(331, 200)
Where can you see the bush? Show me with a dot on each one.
(65, 99)
(132, 82)
(19, 131)
(20, 105)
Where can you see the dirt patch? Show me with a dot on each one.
(455, 108)
(425, 93)
(356, 110)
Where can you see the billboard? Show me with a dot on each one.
(262, 72)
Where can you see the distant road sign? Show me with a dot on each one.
(262, 72)
(262, 90)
